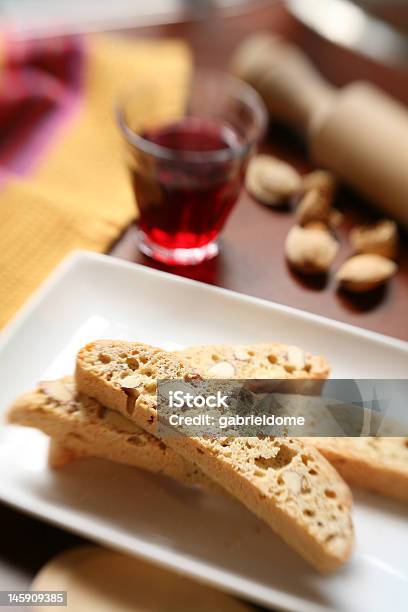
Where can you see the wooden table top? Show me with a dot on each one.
(251, 260)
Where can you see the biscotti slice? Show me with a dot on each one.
(378, 464)
(59, 455)
(266, 360)
(286, 483)
(80, 426)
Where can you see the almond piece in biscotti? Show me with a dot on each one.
(130, 382)
(221, 369)
(241, 354)
(295, 359)
(293, 481)
(58, 390)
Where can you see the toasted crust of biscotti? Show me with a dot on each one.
(287, 484)
(265, 360)
(82, 427)
(379, 464)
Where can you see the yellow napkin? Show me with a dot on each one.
(79, 194)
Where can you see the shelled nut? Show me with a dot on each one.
(310, 250)
(271, 180)
(314, 206)
(365, 272)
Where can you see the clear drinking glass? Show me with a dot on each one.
(187, 165)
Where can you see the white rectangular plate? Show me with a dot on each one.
(209, 537)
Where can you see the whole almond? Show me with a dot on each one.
(314, 206)
(381, 238)
(310, 250)
(365, 272)
(271, 180)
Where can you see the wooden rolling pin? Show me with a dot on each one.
(358, 132)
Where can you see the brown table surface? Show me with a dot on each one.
(252, 259)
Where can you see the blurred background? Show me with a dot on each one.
(41, 16)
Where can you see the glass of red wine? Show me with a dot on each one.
(187, 165)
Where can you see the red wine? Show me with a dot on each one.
(184, 203)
